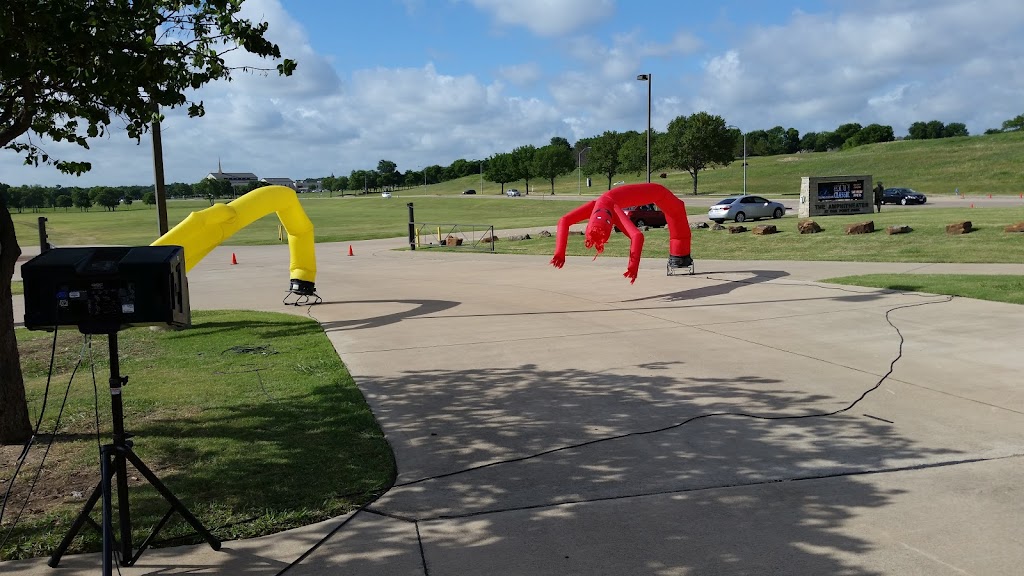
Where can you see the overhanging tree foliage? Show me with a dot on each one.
(69, 69)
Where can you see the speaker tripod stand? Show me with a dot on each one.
(114, 458)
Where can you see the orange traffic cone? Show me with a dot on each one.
(233, 259)
(350, 250)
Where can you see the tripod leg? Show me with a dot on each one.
(170, 497)
(108, 527)
(80, 521)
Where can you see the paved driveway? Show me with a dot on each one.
(744, 420)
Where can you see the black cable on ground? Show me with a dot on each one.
(31, 439)
(694, 418)
(49, 444)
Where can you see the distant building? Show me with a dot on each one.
(288, 182)
(237, 179)
(307, 185)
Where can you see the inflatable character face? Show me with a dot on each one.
(599, 229)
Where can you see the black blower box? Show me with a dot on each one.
(102, 290)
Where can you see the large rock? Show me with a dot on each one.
(488, 239)
(737, 229)
(959, 227)
(765, 229)
(453, 241)
(808, 227)
(901, 229)
(718, 227)
(861, 227)
(1018, 227)
(545, 234)
(700, 225)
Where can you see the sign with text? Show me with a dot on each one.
(835, 195)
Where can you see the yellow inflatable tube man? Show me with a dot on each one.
(203, 231)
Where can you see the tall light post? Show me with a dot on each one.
(647, 78)
(579, 171)
(744, 157)
(481, 177)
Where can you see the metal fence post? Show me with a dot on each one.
(412, 228)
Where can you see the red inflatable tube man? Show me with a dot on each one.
(607, 212)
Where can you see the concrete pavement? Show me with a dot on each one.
(557, 421)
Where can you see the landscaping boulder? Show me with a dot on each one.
(718, 227)
(545, 234)
(1018, 227)
(453, 241)
(861, 227)
(576, 233)
(663, 175)
(901, 229)
(765, 229)
(701, 225)
(808, 227)
(959, 227)
(516, 237)
(737, 229)
(490, 239)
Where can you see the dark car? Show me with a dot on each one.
(902, 196)
(470, 191)
(646, 215)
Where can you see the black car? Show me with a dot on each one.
(902, 196)
(470, 191)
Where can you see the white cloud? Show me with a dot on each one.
(891, 63)
(547, 17)
(628, 53)
(521, 74)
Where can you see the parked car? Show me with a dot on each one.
(902, 196)
(470, 191)
(512, 192)
(742, 208)
(646, 215)
(385, 194)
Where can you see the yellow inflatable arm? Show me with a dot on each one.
(203, 231)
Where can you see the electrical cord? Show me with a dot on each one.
(49, 444)
(850, 406)
(32, 438)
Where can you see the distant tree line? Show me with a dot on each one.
(1011, 125)
(690, 143)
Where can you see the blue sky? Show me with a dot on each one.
(423, 82)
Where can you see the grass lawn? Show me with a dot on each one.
(250, 418)
(334, 219)
(927, 243)
(983, 287)
(16, 287)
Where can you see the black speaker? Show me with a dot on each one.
(102, 290)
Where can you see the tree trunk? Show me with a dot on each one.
(694, 175)
(14, 423)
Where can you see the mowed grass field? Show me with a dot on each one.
(334, 219)
(977, 165)
(928, 242)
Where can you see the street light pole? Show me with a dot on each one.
(647, 77)
(744, 157)
(579, 171)
(744, 163)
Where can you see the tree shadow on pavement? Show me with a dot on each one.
(464, 442)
